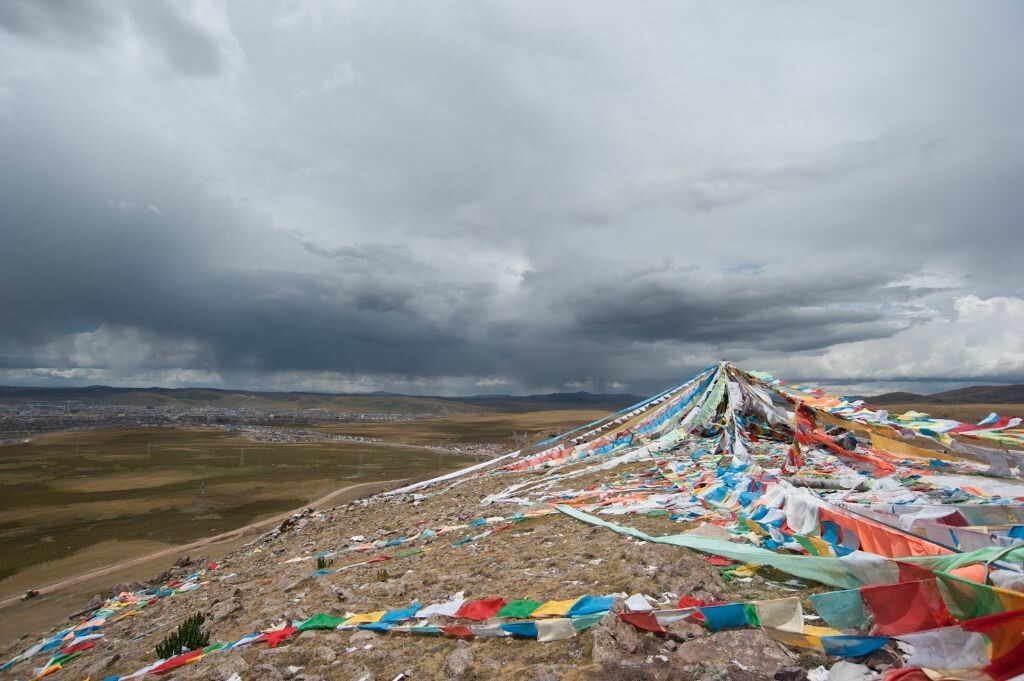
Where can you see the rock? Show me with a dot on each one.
(184, 561)
(266, 672)
(613, 638)
(790, 674)
(459, 663)
(326, 654)
(361, 636)
(361, 672)
(97, 667)
(683, 630)
(162, 578)
(223, 666)
(224, 610)
(751, 649)
(296, 583)
(130, 587)
(94, 603)
(669, 646)
(279, 656)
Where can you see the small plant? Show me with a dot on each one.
(382, 575)
(322, 563)
(189, 636)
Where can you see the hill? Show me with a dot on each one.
(977, 394)
(347, 402)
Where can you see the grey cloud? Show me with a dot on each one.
(180, 32)
(714, 188)
(80, 21)
(510, 194)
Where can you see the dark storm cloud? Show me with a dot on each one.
(167, 27)
(85, 21)
(775, 308)
(484, 196)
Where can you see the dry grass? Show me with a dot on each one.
(490, 428)
(968, 413)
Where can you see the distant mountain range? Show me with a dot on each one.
(383, 402)
(377, 402)
(977, 394)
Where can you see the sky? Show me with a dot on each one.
(463, 197)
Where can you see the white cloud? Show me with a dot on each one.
(982, 338)
(314, 13)
(121, 348)
(342, 75)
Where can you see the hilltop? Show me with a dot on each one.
(691, 536)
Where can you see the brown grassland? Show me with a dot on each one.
(74, 501)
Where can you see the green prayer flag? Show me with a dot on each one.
(321, 621)
(966, 599)
(519, 608)
(840, 609)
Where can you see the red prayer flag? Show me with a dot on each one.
(914, 573)
(691, 602)
(643, 620)
(78, 647)
(906, 608)
(460, 632)
(273, 638)
(481, 610)
(175, 662)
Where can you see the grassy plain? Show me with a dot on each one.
(64, 493)
(490, 428)
(74, 501)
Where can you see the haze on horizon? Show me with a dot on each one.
(509, 197)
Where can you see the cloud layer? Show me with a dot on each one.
(492, 197)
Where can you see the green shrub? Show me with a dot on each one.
(189, 636)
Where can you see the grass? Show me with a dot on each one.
(62, 493)
(967, 413)
(472, 428)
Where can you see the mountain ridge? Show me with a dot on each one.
(96, 395)
(975, 394)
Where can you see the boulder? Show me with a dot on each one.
(459, 663)
(613, 638)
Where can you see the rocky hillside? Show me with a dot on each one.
(461, 547)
